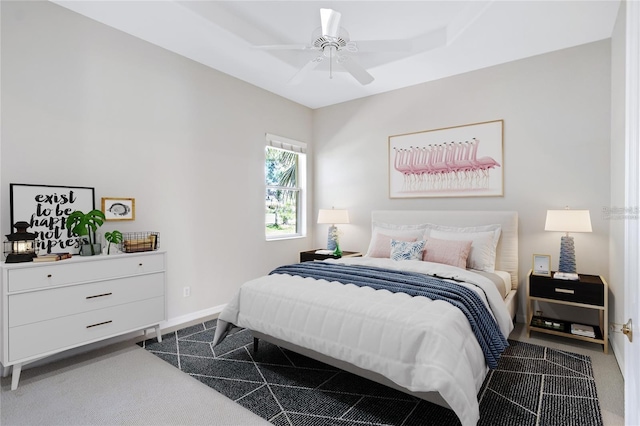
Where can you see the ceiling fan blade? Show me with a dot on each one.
(384, 45)
(330, 22)
(356, 70)
(283, 47)
(431, 40)
(302, 72)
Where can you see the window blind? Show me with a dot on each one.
(286, 143)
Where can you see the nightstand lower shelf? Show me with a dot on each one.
(564, 330)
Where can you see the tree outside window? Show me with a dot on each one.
(283, 193)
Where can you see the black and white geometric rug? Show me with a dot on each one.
(533, 385)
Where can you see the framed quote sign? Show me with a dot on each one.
(46, 208)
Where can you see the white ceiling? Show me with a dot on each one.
(448, 37)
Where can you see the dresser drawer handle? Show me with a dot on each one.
(565, 290)
(100, 323)
(99, 295)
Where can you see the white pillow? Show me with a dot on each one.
(484, 240)
(405, 232)
(381, 244)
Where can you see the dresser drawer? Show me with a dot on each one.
(42, 305)
(81, 270)
(586, 291)
(33, 340)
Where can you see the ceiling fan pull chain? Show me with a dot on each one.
(330, 63)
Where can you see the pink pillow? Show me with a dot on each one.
(449, 252)
(381, 246)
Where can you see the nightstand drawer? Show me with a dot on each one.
(311, 255)
(587, 291)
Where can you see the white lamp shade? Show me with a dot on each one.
(568, 221)
(333, 216)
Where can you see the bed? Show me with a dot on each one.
(388, 316)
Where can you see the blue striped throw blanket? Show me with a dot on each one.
(484, 326)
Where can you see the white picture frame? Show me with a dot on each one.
(541, 265)
(458, 161)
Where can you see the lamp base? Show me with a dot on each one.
(567, 261)
(331, 242)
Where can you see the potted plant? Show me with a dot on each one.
(114, 237)
(83, 224)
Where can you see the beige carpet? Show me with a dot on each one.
(119, 385)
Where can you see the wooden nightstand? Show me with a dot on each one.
(589, 292)
(311, 255)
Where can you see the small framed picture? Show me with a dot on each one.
(541, 265)
(119, 208)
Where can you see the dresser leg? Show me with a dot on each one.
(158, 334)
(15, 376)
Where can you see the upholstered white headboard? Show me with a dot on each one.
(507, 250)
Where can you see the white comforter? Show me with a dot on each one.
(420, 344)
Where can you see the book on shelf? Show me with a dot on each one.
(583, 330)
(52, 257)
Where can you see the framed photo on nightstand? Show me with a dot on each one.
(541, 265)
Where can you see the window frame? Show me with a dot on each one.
(300, 149)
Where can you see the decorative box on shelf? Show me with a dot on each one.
(134, 242)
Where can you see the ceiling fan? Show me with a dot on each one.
(334, 45)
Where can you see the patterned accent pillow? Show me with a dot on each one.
(407, 250)
(452, 253)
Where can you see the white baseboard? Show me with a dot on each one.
(193, 316)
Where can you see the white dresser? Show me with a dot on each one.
(50, 307)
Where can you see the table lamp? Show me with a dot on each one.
(332, 217)
(567, 221)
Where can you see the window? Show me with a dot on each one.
(285, 178)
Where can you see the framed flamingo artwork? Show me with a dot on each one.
(459, 161)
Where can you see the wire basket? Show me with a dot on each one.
(134, 242)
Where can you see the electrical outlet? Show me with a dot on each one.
(186, 292)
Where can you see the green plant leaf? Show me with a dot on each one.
(114, 236)
(83, 223)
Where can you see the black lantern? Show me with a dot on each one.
(21, 245)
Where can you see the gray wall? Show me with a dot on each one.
(556, 112)
(86, 105)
